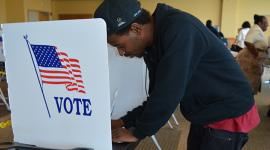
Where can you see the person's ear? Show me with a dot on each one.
(136, 28)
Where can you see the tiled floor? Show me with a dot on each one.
(260, 137)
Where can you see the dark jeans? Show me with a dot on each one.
(201, 138)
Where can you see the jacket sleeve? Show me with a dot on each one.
(130, 118)
(183, 45)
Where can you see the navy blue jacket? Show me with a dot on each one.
(188, 65)
(213, 30)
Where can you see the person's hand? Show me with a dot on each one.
(123, 135)
(117, 124)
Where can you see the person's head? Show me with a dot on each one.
(245, 24)
(221, 34)
(208, 23)
(261, 21)
(128, 26)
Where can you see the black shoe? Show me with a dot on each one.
(268, 113)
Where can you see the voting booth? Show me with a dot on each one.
(128, 83)
(58, 78)
(66, 83)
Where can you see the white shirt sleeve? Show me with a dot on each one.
(255, 34)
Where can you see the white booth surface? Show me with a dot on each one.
(58, 78)
(127, 83)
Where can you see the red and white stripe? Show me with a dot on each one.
(69, 75)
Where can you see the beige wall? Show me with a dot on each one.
(37, 5)
(229, 14)
(247, 8)
(229, 18)
(74, 7)
(3, 11)
(202, 9)
(15, 11)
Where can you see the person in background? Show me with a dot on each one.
(240, 40)
(239, 44)
(211, 28)
(256, 34)
(187, 64)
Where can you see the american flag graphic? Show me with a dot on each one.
(57, 68)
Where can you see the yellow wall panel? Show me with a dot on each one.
(247, 8)
(37, 5)
(202, 9)
(3, 17)
(229, 14)
(229, 17)
(74, 7)
(15, 11)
